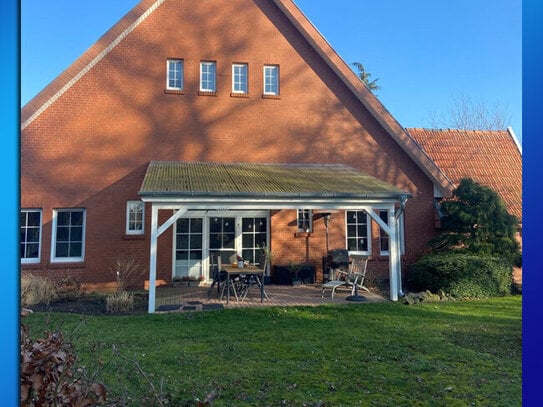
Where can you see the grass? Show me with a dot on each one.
(432, 354)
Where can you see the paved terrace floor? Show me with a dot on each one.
(195, 298)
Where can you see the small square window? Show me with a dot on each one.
(271, 80)
(240, 78)
(135, 211)
(175, 74)
(208, 77)
(305, 223)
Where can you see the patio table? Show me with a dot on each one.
(251, 271)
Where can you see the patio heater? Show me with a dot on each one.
(327, 217)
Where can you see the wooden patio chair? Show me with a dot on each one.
(351, 279)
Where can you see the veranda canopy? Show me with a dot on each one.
(183, 186)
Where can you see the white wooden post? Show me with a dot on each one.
(393, 256)
(152, 260)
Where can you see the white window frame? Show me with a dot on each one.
(304, 217)
(130, 219)
(402, 236)
(31, 260)
(271, 80)
(240, 78)
(175, 72)
(366, 252)
(208, 76)
(54, 258)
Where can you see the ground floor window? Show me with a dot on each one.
(305, 220)
(68, 243)
(358, 232)
(134, 217)
(30, 235)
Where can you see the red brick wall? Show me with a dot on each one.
(90, 148)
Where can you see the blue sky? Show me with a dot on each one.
(424, 52)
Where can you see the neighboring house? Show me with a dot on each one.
(148, 147)
(490, 157)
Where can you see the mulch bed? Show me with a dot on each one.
(90, 304)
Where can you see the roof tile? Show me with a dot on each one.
(491, 158)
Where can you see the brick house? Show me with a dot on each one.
(147, 147)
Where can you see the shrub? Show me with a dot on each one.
(36, 289)
(68, 288)
(461, 275)
(126, 271)
(120, 301)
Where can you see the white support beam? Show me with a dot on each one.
(171, 221)
(394, 257)
(152, 260)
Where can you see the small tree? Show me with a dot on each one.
(365, 77)
(476, 220)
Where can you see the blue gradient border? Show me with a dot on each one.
(532, 201)
(9, 203)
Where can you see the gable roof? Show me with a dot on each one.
(491, 158)
(179, 179)
(300, 22)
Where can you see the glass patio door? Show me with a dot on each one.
(188, 248)
(222, 237)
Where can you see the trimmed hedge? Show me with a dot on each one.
(461, 275)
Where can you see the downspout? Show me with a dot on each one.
(397, 213)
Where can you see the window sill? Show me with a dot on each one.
(206, 93)
(239, 95)
(68, 264)
(174, 92)
(271, 97)
(134, 237)
(302, 234)
(31, 266)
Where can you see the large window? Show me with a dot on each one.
(175, 74)
(358, 232)
(239, 78)
(271, 80)
(30, 236)
(208, 76)
(134, 217)
(304, 220)
(68, 242)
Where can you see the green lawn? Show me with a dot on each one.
(385, 354)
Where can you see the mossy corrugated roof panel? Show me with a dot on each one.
(170, 178)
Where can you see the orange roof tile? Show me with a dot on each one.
(491, 158)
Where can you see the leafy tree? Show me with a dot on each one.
(476, 220)
(365, 77)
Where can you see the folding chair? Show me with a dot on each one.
(351, 279)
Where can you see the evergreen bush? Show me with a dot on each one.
(461, 275)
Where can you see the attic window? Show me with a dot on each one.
(208, 76)
(239, 79)
(271, 80)
(174, 74)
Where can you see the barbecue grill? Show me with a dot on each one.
(335, 259)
